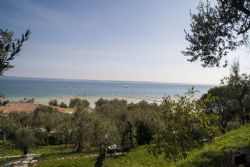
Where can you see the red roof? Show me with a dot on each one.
(19, 107)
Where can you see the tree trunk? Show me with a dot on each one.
(46, 140)
(3, 138)
(183, 149)
(123, 140)
(66, 142)
(131, 135)
(79, 147)
(101, 157)
(25, 150)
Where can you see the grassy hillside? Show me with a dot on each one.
(136, 158)
(209, 155)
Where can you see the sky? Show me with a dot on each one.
(129, 40)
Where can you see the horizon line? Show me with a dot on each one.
(110, 80)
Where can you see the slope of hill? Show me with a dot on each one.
(216, 152)
(211, 155)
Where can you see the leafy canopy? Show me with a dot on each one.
(10, 48)
(217, 29)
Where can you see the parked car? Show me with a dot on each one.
(113, 148)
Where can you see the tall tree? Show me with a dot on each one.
(217, 29)
(240, 84)
(105, 134)
(9, 49)
(232, 98)
(82, 129)
(185, 126)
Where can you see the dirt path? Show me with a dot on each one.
(29, 159)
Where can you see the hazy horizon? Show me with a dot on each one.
(106, 80)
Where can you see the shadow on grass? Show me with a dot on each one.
(62, 152)
(215, 158)
(58, 154)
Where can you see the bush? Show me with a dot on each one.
(63, 105)
(53, 102)
(78, 104)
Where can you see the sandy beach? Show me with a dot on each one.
(91, 99)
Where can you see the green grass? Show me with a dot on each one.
(7, 151)
(58, 156)
(74, 161)
(209, 155)
(138, 157)
(13, 152)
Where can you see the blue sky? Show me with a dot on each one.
(139, 40)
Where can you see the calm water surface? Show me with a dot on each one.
(13, 87)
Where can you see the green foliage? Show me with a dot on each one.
(24, 138)
(63, 105)
(217, 29)
(64, 129)
(105, 131)
(17, 128)
(185, 126)
(232, 99)
(58, 156)
(78, 161)
(78, 104)
(53, 102)
(46, 119)
(224, 105)
(171, 129)
(144, 134)
(110, 107)
(105, 134)
(82, 129)
(211, 154)
(138, 157)
(10, 48)
(3, 100)
(128, 118)
(116, 110)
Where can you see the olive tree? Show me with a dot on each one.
(232, 98)
(82, 129)
(9, 49)
(19, 130)
(64, 130)
(46, 119)
(215, 30)
(185, 126)
(78, 104)
(105, 134)
(24, 138)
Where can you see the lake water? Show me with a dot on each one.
(18, 88)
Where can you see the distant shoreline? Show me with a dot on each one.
(91, 99)
(42, 90)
